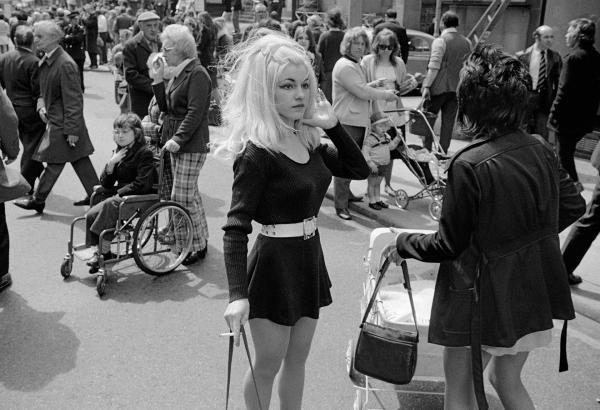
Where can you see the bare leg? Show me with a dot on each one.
(270, 347)
(459, 394)
(377, 189)
(371, 189)
(291, 379)
(505, 376)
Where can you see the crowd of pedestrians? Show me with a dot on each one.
(285, 83)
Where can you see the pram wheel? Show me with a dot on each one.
(101, 283)
(435, 210)
(401, 198)
(162, 238)
(66, 267)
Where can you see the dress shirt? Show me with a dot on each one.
(534, 65)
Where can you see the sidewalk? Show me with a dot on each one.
(586, 296)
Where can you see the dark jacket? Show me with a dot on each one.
(187, 100)
(135, 57)
(91, 33)
(19, 75)
(74, 41)
(504, 205)
(553, 68)
(134, 175)
(9, 134)
(400, 32)
(576, 103)
(60, 89)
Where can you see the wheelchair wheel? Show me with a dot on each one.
(162, 238)
(101, 283)
(435, 210)
(66, 267)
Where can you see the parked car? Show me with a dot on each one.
(419, 51)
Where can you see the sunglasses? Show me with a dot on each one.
(385, 47)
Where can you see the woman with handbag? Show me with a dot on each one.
(12, 184)
(281, 174)
(501, 280)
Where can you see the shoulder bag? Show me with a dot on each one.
(12, 184)
(245, 339)
(385, 353)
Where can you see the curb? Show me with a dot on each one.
(584, 300)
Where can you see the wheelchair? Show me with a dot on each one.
(156, 233)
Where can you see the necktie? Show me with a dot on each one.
(541, 84)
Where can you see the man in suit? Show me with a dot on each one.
(60, 106)
(573, 112)
(390, 22)
(448, 53)
(19, 75)
(90, 22)
(544, 66)
(135, 57)
(74, 42)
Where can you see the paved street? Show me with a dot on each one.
(153, 343)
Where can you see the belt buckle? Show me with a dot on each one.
(307, 224)
(269, 230)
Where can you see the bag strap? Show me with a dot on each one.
(382, 270)
(230, 359)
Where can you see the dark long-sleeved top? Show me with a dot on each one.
(134, 175)
(19, 75)
(270, 188)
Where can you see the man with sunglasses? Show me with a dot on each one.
(135, 56)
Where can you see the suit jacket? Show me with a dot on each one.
(187, 100)
(19, 75)
(134, 175)
(60, 88)
(135, 57)
(553, 67)
(576, 103)
(74, 41)
(400, 34)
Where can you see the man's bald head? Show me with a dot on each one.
(544, 37)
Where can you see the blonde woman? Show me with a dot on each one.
(281, 174)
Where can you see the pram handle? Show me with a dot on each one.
(382, 270)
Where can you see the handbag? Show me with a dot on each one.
(12, 184)
(230, 359)
(214, 113)
(387, 354)
(419, 126)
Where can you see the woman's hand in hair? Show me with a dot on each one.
(236, 315)
(321, 115)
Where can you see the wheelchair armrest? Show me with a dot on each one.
(132, 199)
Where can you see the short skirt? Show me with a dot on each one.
(287, 279)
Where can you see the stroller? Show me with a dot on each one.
(413, 156)
(392, 309)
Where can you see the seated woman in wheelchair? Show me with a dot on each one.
(130, 171)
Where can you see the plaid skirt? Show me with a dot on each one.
(180, 184)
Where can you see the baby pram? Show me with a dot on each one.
(392, 309)
(434, 183)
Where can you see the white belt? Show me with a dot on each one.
(306, 229)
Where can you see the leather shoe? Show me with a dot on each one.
(354, 198)
(375, 206)
(382, 204)
(83, 202)
(343, 213)
(191, 258)
(31, 204)
(574, 279)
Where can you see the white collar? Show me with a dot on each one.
(177, 70)
(449, 30)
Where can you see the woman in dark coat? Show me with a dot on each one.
(130, 171)
(184, 101)
(501, 279)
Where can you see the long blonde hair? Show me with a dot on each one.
(249, 113)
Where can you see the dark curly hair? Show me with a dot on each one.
(493, 93)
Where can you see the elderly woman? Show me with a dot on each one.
(386, 69)
(352, 103)
(185, 101)
(501, 280)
